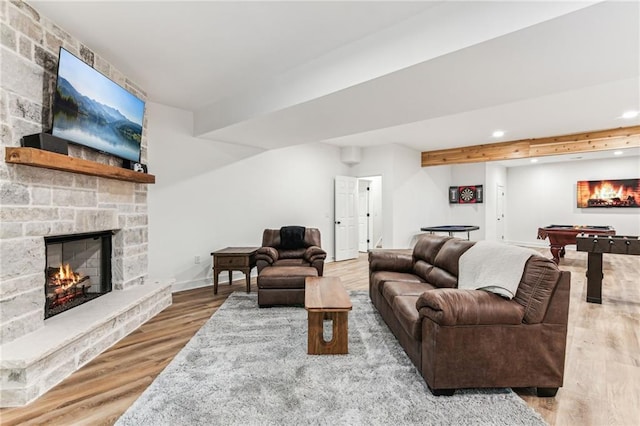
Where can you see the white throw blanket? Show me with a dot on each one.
(494, 267)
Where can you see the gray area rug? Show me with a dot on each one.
(249, 366)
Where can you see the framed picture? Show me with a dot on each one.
(608, 193)
(466, 194)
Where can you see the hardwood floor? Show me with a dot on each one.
(602, 374)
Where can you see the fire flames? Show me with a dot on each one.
(64, 286)
(607, 191)
(65, 278)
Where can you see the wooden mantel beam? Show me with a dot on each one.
(601, 140)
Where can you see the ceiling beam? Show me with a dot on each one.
(600, 140)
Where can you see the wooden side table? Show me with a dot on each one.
(233, 259)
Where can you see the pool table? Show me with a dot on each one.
(562, 235)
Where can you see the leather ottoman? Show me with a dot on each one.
(283, 285)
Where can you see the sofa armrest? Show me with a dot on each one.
(313, 253)
(451, 306)
(390, 261)
(268, 254)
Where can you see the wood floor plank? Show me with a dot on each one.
(602, 373)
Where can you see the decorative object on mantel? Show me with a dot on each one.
(50, 160)
(46, 142)
(608, 193)
(465, 194)
(135, 166)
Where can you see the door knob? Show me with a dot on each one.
(337, 222)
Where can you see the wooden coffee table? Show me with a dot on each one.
(325, 297)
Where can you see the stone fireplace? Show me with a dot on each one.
(39, 205)
(78, 270)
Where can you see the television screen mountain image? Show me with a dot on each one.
(91, 110)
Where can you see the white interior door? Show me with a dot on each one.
(500, 213)
(363, 216)
(346, 217)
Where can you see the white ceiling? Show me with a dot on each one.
(426, 74)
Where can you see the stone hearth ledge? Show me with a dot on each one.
(34, 363)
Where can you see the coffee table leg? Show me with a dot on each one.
(215, 281)
(339, 343)
(315, 333)
(341, 332)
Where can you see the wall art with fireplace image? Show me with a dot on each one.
(608, 193)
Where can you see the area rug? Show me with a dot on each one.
(249, 366)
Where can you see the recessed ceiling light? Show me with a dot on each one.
(498, 134)
(617, 153)
(630, 114)
(534, 160)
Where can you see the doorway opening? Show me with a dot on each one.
(358, 215)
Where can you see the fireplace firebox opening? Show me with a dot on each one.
(78, 270)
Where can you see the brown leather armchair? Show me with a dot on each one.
(288, 255)
(274, 253)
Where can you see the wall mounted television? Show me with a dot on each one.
(91, 110)
(608, 193)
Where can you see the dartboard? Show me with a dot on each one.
(467, 194)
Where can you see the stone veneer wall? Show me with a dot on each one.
(37, 202)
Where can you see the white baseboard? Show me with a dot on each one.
(541, 244)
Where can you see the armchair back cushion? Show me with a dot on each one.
(271, 238)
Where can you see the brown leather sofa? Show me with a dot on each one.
(472, 338)
(283, 267)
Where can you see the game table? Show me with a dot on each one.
(562, 235)
(595, 246)
(451, 229)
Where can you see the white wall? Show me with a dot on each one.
(469, 214)
(545, 194)
(412, 196)
(495, 175)
(211, 195)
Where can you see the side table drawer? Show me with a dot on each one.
(231, 261)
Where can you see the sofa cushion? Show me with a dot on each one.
(405, 309)
(445, 271)
(291, 254)
(452, 306)
(427, 247)
(391, 289)
(290, 262)
(379, 278)
(539, 280)
(422, 268)
(396, 260)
